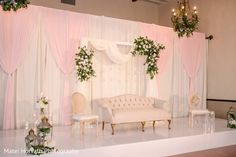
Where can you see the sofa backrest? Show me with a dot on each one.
(128, 102)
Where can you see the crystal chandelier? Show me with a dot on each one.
(184, 20)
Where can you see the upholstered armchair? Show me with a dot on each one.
(79, 106)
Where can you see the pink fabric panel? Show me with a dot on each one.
(64, 31)
(191, 50)
(15, 33)
(162, 35)
(9, 110)
(148, 30)
(165, 36)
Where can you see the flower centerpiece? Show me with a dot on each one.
(194, 100)
(42, 103)
(232, 123)
(8, 5)
(40, 142)
(231, 118)
(147, 47)
(84, 64)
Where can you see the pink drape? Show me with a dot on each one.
(162, 35)
(15, 33)
(191, 50)
(64, 31)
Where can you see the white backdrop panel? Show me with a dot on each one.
(39, 73)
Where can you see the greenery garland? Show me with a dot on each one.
(8, 5)
(185, 25)
(147, 47)
(40, 150)
(84, 64)
(231, 118)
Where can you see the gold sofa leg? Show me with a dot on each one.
(169, 121)
(103, 125)
(143, 124)
(153, 124)
(113, 128)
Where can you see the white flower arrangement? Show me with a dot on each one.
(151, 50)
(232, 122)
(42, 102)
(50, 144)
(231, 118)
(194, 100)
(84, 64)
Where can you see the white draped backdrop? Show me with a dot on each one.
(117, 72)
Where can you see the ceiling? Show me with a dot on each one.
(154, 1)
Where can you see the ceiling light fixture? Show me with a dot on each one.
(184, 20)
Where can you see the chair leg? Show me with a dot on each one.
(81, 128)
(192, 120)
(143, 124)
(103, 125)
(153, 124)
(113, 128)
(97, 126)
(169, 122)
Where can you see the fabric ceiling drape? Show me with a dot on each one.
(15, 33)
(165, 36)
(191, 50)
(64, 31)
(110, 48)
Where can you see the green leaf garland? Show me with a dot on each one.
(185, 25)
(8, 5)
(84, 64)
(147, 47)
(40, 150)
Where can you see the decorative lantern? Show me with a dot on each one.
(231, 118)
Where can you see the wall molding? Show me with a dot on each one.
(222, 100)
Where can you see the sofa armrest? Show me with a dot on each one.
(162, 104)
(107, 115)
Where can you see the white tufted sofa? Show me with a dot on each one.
(133, 108)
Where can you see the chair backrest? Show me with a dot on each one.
(194, 102)
(79, 103)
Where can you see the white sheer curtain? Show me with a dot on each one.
(114, 79)
(30, 78)
(27, 86)
(3, 80)
(201, 78)
(16, 34)
(180, 83)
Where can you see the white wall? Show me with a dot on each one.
(217, 17)
(123, 9)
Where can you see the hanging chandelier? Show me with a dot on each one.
(184, 20)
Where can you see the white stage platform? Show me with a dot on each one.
(128, 140)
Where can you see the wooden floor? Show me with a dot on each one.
(229, 151)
